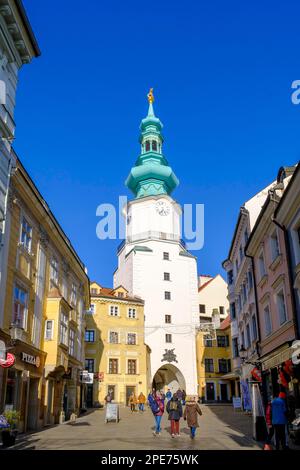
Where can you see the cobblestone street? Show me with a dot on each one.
(220, 429)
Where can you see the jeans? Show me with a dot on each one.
(157, 423)
(141, 406)
(193, 431)
(174, 426)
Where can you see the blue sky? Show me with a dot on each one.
(222, 74)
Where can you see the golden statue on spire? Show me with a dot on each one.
(150, 96)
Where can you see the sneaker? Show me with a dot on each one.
(178, 435)
(173, 435)
(154, 433)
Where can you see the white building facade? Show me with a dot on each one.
(154, 264)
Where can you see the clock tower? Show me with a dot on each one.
(154, 264)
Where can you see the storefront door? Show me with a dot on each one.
(210, 391)
(89, 396)
(223, 392)
(33, 404)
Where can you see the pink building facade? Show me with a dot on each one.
(275, 309)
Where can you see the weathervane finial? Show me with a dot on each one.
(150, 96)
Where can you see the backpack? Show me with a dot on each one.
(173, 405)
(153, 405)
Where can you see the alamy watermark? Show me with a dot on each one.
(295, 96)
(115, 222)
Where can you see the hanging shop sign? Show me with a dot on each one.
(87, 377)
(29, 359)
(256, 374)
(99, 376)
(9, 361)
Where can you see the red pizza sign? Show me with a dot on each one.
(9, 362)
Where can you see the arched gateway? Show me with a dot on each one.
(168, 376)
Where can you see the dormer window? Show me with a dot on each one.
(147, 146)
(154, 145)
(120, 294)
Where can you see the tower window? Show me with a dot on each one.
(154, 145)
(168, 319)
(166, 276)
(166, 255)
(201, 308)
(167, 295)
(168, 338)
(147, 145)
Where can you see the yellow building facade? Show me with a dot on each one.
(216, 383)
(46, 295)
(115, 351)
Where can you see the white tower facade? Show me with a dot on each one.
(154, 264)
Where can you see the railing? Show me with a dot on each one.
(152, 235)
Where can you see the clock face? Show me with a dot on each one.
(162, 207)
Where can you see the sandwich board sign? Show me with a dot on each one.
(237, 403)
(112, 412)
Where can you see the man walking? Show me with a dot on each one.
(279, 420)
(142, 401)
(169, 395)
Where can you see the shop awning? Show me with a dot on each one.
(276, 358)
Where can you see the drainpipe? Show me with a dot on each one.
(256, 303)
(290, 273)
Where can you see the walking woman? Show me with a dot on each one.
(191, 412)
(174, 409)
(157, 408)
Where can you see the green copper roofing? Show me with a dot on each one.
(151, 175)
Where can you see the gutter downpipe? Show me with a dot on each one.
(256, 303)
(289, 263)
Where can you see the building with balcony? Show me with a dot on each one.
(116, 355)
(46, 295)
(17, 47)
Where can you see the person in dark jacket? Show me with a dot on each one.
(174, 409)
(279, 420)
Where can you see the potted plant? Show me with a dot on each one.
(9, 426)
